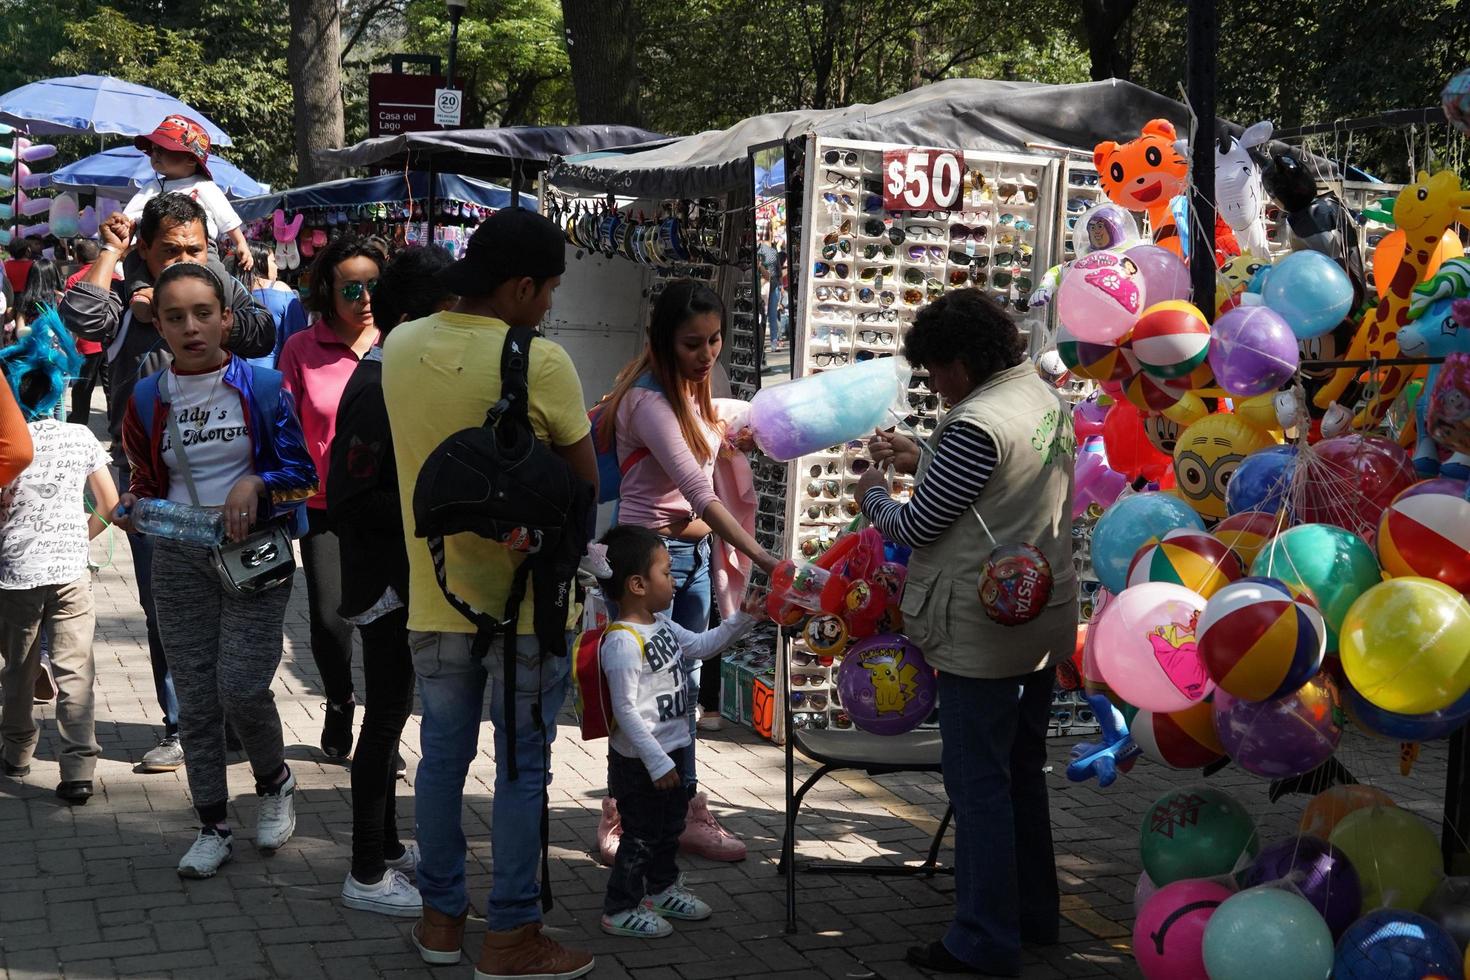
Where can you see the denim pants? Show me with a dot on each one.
(773, 314)
(452, 683)
(690, 565)
(141, 545)
(1005, 872)
(652, 820)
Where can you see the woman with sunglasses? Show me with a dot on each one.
(315, 366)
(997, 470)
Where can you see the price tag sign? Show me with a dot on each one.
(916, 179)
(447, 105)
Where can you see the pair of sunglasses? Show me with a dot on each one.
(868, 294)
(844, 158)
(353, 289)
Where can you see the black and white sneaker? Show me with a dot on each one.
(210, 851)
(166, 756)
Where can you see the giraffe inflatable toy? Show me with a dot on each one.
(1424, 210)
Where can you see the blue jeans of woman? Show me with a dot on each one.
(690, 610)
(773, 314)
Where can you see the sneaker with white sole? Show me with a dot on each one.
(277, 818)
(710, 721)
(408, 861)
(210, 850)
(641, 922)
(678, 902)
(393, 894)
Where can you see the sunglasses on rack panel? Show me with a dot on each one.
(920, 232)
(916, 277)
(824, 269)
(958, 277)
(841, 180)
(935, 215)
(838, 200)
(869, 295)
(810, 660)
(843, 230)
(816, 700)
(923, 402)
(1081, 178)
(868, 355)
(827, 359)
(844, 158)
(869, 273)
(875, 336)
(817, 512)
(876, 228)
(804, 720)
(808, 680)
(840, 293)
(834, 313)
(840, 247)
(926, 253)
(875, 315)
(352, 290)
(974, 233)
(1008, 190)
(744, 306)
(873, 250)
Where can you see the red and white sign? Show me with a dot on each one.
(401, 103)
(916, 179)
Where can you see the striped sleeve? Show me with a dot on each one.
(961, 467)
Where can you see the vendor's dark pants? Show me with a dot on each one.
(1005, 873)
(652, 821)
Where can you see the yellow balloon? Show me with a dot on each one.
(1206, 456)
(1405, 645)
(1187, 410)
(1260, 410)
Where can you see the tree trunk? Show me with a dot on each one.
(601, 39)
(316, 84)
(1102, 20)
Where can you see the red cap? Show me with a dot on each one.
(182, 135)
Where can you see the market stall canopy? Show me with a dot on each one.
(502, 152)
(975, 114)
(119, 172)
(97, 104)
(387, 189)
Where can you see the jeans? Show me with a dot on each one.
(1005, 872)
(387, 677)
(141, 545)
(690, 610)
(773, 314)
(652, 821)
(331, 635)
(452, 686)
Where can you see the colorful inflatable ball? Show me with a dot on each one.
(1405, 645)
(1207, 454)
(1171, 339)
(1267, 934)
(1406, 728)
(1392, 944)
(1425, 532)
(1261, 638)
(1101, 296)
(1168, 934)
(886, 685)
(1148, 393)
(1325, 810)
(1349, 480)
(1196, 832)
(1253, 351)
(1321, 873)
(1263, 481)
(1395, 854)
(1247, 532)
(1179, 739)
(1143, 644)
(1130, 524)
(1310, 291)
(1282, 737)
(1333, 565)
(1096, 362)
(1193, 559)
(1165, 276)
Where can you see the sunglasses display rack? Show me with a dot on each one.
(1364, 202)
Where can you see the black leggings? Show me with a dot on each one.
(387, 678)
(81, 392)
(331, 635)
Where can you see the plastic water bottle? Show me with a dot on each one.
(201, 526)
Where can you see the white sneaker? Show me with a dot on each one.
(209, 851)
(642, 922)
(394, 894)
(277, 818)
(710, 721)
(409, 861)
(678, 902)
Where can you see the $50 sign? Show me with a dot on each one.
(917, 179)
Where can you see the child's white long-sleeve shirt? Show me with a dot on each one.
(647, 684)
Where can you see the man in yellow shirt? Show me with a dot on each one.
(441, 374)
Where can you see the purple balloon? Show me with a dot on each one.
(1281, 737)
(1321, 872)
(1253, 351)
(886, 685)
(1165, 276)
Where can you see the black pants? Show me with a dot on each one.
(387, 676)
(331, 635)
(141, 546)
(81, 393)
(652, 821)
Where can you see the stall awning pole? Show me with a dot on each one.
(1204, 39)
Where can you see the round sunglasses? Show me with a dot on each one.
(353, 289)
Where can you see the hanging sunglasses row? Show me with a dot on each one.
(687, 231)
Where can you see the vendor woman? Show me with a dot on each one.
(998, 469)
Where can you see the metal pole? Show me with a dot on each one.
(1204, 39)
(455, 13)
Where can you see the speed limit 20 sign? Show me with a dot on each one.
(921, 180)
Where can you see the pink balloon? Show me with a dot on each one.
(1145, 646)
(1169, 933)
(1087, 418)
(1165, 276)
(1100, 298)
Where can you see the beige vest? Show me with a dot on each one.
(1027, 499)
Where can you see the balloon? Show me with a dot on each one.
(1168, 934)
(1449, 905)
(1261, 638)
(1144, 646)
(1165, 276)
(802, 416)
(1395, 854)
(1318, 871)
(1151, 394)
(1263, 481)
(1114, 753)
(1389, 255)
(1406, 728)
(1252, 349)
(825, 635)
(1100, 297)
(1267, 934)
(1349, 480)
(1406, 645)
(1260, 410)
(1196, 832)
(1192, 559)
(1326, 810)
(1130, 524)
(1104, 226)
(1286, 736)
(1015, 583)
(1171, 339)
(1247, 532)
(1095, 484)
(1096, 362)
(1391, 944)
(1207, 454)
(1179, 739)
(1426, 532)
(1335, 566)
(1310, 291)
(886, 685)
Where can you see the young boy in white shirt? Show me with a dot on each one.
(644, 656)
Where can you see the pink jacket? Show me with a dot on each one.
(314, 367)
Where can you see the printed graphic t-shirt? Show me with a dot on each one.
(43, 515)
(211, 420)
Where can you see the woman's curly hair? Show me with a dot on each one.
(968, 326)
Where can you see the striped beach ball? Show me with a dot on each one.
(1179, 739)
(1261, 638)
(1426, 532)
(1246, 533)
(1196, 560)
(1098, 362)
(1152, 394)
(1171, 339)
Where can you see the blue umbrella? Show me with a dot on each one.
(95, 104)
(126, 169)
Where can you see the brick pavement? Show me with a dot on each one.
(91, 892)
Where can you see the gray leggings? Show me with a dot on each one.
(223, 653)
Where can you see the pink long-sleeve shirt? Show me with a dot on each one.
(668, 485)
(315, 366)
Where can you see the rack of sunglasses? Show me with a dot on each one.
(670, 235)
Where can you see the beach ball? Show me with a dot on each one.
(1168, 934)
(1320, 872)
(1311, 292)
(1425, 532)
(1395, 854)
(1165, 276)
(1393, 944)
(1405, 645)
(1193, 559)
(1262, 481)
(886, 685)
(1267, 934)
(1206, 457)
(1129, 449)
(1171, 339)
(1325, 810)
(1179, 739)
(1096, 362)
(1101, 296)
(1349, 480)
(1424, 727)
(1261, 638)
(1331, 564)
(1130, 524)
(1143, 644)
(1253, 351)
(1150, 393)
(825, 635)
(1196, 832)
(1282, 737)
(1247, 532)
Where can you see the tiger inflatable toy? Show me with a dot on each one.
(1146, 174)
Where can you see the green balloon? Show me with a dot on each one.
(1334, 565)
(1395, 854)
(1195, 832)
(1267, 933)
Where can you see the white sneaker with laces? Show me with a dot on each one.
(641, 922)
(409, 861)
(393, 894)
(710, 721)
(209, 851)
(678, 902)
(277, 819)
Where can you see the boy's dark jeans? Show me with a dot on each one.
(652, 821)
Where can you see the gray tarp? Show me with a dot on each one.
(972, 114)
(484, 152)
